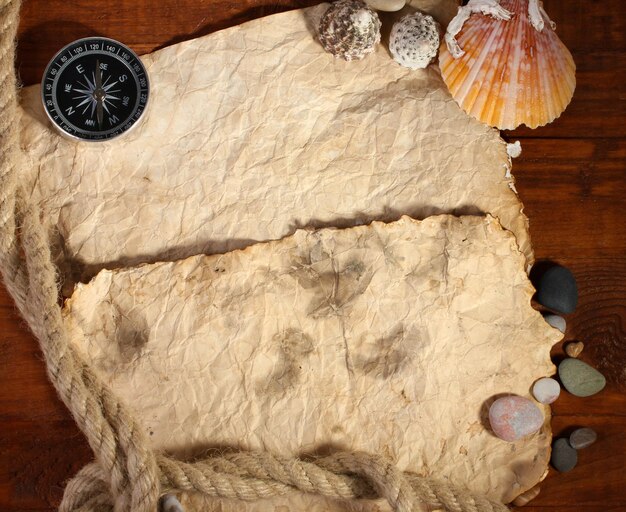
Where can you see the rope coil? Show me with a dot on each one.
(127, 474)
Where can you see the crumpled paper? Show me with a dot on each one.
(255, 131)
(389, 338)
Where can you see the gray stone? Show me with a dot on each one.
(557, 290)
(579, 378)
(582, 437)
(556, 321)
(564, 458)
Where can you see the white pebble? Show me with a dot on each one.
(170, 503)
(556, 321)
(546, 390)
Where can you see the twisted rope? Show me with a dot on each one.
(127, 475)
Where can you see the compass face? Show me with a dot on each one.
(95, 89)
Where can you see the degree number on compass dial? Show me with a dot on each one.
(95, 89)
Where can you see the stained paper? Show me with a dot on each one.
(390, 338)
(255, 131)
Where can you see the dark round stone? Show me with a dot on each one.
(557, 290)
(564, 457)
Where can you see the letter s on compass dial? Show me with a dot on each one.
(95, 89)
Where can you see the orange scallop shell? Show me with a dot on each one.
(510, 74)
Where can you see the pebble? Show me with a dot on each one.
(556, 321)
(386, 5)
(526, 497)
(513, 417)
(170, 503)
(574, 348)
(564, 458)
(556, 290)
(582, 438)
(546, 390)
(579, 378)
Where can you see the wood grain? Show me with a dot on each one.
(571, 177)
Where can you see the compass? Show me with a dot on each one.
(95, 89)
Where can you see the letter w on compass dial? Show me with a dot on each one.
(98, 95)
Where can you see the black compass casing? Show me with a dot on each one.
(95, 89)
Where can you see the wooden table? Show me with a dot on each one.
(571, 177)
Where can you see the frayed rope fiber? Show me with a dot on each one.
(127, 474)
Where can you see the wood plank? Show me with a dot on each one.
(573, 194)
(38, 457)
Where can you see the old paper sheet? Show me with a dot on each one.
(255, 131)
(390, 338)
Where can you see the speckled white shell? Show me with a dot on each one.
(349, 29)
(414, 40)
(510, 73)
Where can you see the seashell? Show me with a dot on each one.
(414, 40)
(511, 70)
(349, 29)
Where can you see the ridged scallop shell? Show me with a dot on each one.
(414, 40)
(510, 74)
(349, 29)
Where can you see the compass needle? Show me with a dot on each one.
(99, 94)
(95, 89)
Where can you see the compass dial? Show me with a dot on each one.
(95, 89)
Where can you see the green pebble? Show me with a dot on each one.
(579, 378)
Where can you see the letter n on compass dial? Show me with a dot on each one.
(95, 89)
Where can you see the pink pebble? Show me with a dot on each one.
(513, 417)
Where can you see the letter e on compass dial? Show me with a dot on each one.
(95, 89)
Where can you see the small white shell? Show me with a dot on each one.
(349, 29)
(514, 150)
(414, 40)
